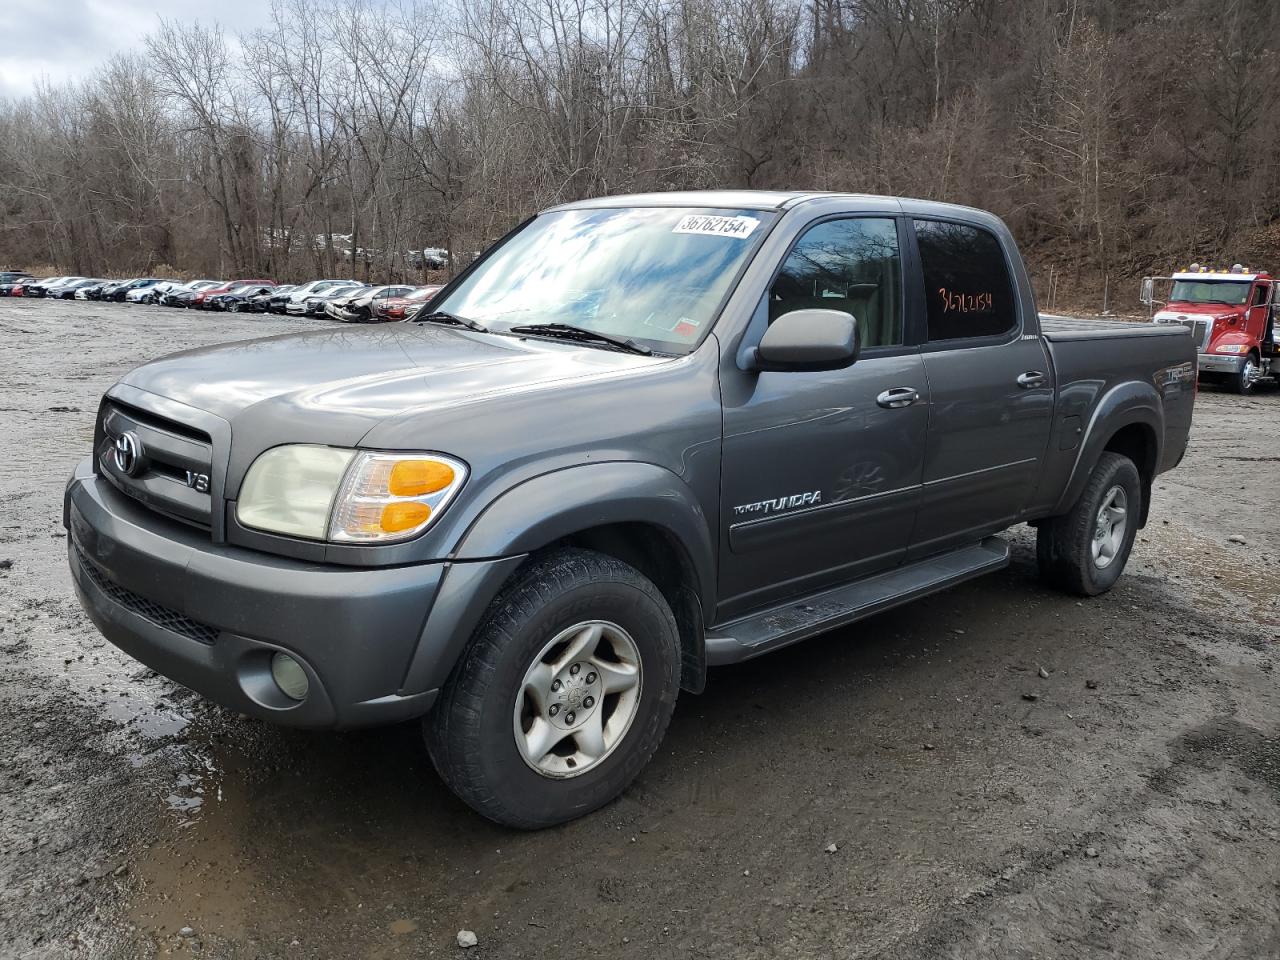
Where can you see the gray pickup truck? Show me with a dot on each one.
(639, 437)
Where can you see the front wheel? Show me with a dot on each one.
(563, 694)
(1084, 551)
(1243, 382)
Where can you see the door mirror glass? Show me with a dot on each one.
(1148, 295)
(808, 340)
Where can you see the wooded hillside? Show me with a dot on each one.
(1114, 136)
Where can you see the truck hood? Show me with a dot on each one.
(336, 385)
(1198, 311)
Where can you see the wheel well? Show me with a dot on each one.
(1137, 441)
(661, 557)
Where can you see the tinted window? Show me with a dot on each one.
(966, 282)
(848, 265)
(1260, 295)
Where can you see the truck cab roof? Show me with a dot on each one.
(1198, 275)
(775, 200)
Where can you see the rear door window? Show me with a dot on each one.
(967, 284)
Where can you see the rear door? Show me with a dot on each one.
(990, 387)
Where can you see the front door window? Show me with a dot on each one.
(849, 265)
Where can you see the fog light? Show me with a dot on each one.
(289, 676)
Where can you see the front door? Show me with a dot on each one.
(821, 470)
(990, 390)
(1259, 310)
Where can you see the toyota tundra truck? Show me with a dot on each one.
(638, 438)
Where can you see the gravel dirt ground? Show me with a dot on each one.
(913, 787)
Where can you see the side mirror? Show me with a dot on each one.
(807, 340)
(1148, 295)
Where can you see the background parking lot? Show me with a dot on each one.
(1001, 771)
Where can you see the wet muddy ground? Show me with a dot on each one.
(1126, 805)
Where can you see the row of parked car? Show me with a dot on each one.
(347, 300)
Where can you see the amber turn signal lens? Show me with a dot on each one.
(417, 478)
(403, 516)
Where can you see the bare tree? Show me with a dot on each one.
(350, 134)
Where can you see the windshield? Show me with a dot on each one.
(1211, 291)
(655, 275)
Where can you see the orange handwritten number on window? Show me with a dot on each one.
(965, 302)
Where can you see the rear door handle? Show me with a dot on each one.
(1030, 379)
(898, 397)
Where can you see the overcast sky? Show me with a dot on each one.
(66, 39)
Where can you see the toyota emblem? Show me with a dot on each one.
(128, 453)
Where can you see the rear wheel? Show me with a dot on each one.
(1084, 551)
(563, 694)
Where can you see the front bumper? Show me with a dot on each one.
(1221, 363)
(211, 616)
(345, 315)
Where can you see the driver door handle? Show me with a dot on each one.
(1030, 379)
(898, 397)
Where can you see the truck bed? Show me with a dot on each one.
(1105, 370)
(1061, 329)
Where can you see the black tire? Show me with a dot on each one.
(470, 733)
(1064, 545)
(1242, 383)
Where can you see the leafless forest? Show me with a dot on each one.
(1115, 136)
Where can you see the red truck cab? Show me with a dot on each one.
(1232, 317)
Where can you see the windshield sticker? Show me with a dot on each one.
(737, 227)
(681, 327)
(662, 323)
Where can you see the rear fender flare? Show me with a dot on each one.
(1132, 402)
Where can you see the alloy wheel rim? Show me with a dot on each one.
(578, 699)
(1109, 527)
(1250, 372)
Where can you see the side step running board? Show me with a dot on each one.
(798, 620)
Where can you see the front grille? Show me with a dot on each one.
(1200, 330)
(1200, 333)
(173, 463)
(160, 615)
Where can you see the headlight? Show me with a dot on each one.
(350, 496)
(1229, 348)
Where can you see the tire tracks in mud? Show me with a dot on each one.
(1220, 769)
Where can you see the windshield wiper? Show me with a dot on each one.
(567, 331)
(452, 319)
